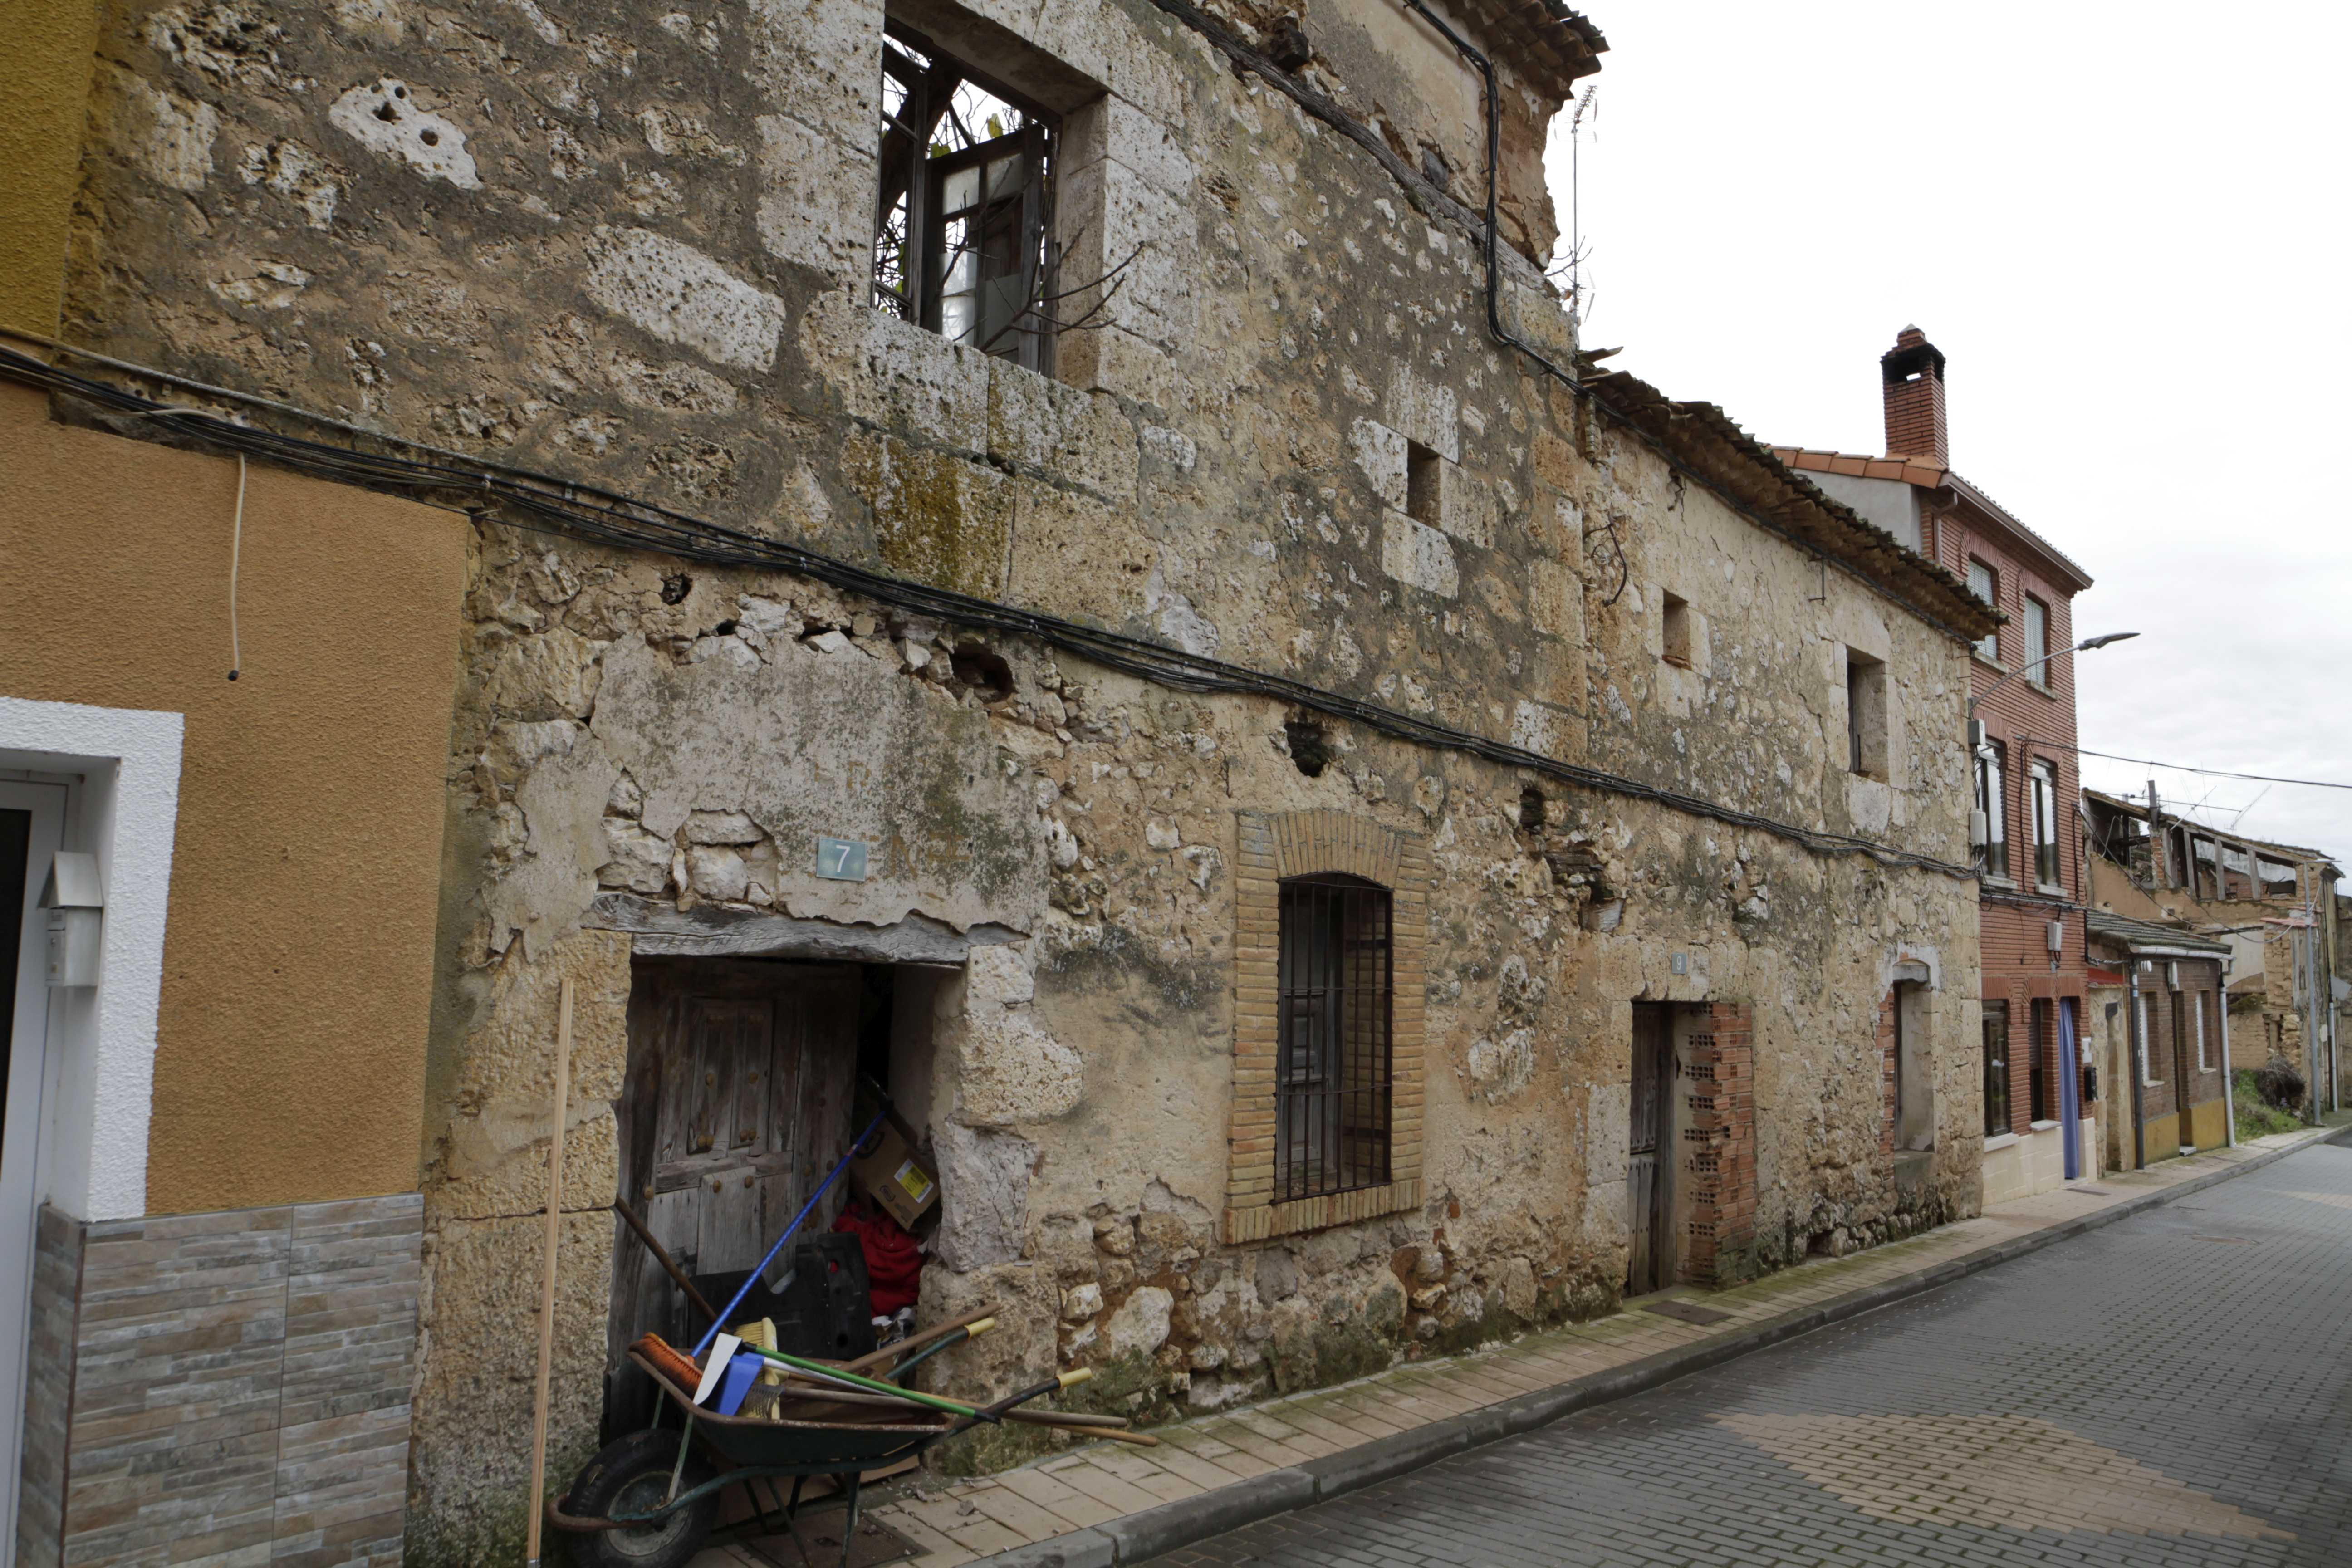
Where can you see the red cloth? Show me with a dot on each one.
(894, 1263)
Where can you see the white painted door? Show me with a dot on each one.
(32, 826)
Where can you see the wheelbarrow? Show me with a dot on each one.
(651, 1500)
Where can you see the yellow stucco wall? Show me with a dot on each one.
(298, 960)
(43, 91)
(2162, 1137)
(2208, 1125)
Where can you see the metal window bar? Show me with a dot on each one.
(1336, 1056)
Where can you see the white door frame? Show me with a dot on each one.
(21, 1125)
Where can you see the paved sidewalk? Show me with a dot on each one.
(1106, 1504)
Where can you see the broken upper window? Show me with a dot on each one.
(963, 223)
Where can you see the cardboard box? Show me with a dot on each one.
(892, 1177)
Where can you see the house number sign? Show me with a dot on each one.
(841, 859)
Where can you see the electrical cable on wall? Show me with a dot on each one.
(531, 501)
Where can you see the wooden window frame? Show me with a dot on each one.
(1272, 848)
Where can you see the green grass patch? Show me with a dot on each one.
(2257, 1120)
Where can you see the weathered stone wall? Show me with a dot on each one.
(627, 245)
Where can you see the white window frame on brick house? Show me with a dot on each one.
(1985, 583)
(1295, 848)
(2203, 1064)
(1990, 769)
(2035, 615)
(2048, 850)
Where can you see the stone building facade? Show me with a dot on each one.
(1252, 582)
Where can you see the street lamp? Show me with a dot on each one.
(2085, 645)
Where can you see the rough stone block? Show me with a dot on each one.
(1419, 555)
(676, 293)
(816, 199)
(1075, 556)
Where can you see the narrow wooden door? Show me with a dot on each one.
(1650, 1265)
(737, 1102)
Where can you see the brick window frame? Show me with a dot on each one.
(1270, 847)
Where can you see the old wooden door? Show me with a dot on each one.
(1651, 1264)
(736, 1104)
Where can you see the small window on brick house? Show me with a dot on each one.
(2047, 869)
(1675, 630)
(1986, 586)
(2042, 1034)
(2204, 1000)
(1333, 1062)
(2037, 640)
(965, 214)
(1865, 715)
(1992, 800)
(1996, 1068)
(1424, 485)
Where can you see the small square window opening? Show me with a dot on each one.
(1865, 715)
(1676, 631)
(1424, 485)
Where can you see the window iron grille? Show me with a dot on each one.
(1333, 1104)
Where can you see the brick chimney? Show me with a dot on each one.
(1913, 371)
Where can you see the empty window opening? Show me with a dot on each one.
(2047, 868)
(2037, 639)
(1675, 630)
(964, 224)
(1985, 586)
(1865, 715)
(1532, 809)
(1996, 1068)
(1424, 485)
(1332, 1112)
(1310, 746)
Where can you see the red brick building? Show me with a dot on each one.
(2034, 967)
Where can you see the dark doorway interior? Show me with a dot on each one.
(1648, 1177)
(738, 1100)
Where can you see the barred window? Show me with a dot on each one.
(1333, 1104)
(962, 225)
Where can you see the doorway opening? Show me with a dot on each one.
(32, 830)
(1650, 1163)
(748, 1080)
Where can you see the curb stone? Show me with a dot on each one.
(1169, 1527)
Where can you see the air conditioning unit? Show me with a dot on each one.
(2054, 933)
(1979, 833)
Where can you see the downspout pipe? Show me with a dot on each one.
(2229, 1075)
(2138, 1066)
(1485, 66)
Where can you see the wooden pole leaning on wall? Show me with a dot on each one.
(546, 1275)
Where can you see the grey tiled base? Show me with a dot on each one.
(222, 1388)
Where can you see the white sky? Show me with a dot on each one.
(2124, 224)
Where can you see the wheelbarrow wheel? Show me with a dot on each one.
(633, 1476)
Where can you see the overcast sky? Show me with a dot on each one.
(2125, 225)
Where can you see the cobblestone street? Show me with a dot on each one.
(2170, 1390)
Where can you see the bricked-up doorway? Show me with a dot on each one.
(1650, 1153)
(736, 1103)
